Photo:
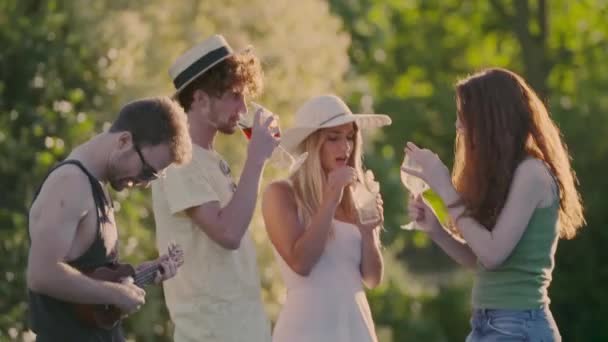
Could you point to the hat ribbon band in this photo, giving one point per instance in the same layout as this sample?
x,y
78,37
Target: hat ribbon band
x,y
201,64
332,118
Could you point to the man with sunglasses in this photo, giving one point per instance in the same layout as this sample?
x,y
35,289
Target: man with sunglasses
x,y
71,222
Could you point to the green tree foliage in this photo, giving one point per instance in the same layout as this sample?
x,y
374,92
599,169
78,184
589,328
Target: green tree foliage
x,y
66,67
48,88
406,56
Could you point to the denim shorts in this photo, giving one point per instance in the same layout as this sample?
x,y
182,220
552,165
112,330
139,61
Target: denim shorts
x,y
535,325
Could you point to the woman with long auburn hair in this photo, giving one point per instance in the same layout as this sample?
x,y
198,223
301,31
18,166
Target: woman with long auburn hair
x,y
512,194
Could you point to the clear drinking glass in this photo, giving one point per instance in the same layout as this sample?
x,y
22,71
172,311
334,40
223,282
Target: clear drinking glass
x,y
365,194
281,158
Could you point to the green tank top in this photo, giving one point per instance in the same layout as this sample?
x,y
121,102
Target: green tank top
x,y
521,282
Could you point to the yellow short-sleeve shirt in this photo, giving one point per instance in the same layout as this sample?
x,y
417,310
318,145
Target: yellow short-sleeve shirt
x,y
216,294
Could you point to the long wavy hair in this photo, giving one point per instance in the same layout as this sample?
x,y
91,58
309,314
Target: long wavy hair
x,y
504,123
309,180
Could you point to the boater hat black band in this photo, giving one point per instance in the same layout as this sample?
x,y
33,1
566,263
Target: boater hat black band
x,y
200,65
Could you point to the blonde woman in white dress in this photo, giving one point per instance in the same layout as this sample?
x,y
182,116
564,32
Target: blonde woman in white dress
x,y
325,254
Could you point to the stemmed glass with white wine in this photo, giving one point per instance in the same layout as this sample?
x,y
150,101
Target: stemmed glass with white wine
x,y
417,186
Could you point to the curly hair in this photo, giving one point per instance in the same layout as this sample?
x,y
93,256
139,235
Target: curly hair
x,y
506,122
240,72
155,121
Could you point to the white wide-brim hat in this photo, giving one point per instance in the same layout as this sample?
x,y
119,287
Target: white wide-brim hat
x,y
199,59
323,112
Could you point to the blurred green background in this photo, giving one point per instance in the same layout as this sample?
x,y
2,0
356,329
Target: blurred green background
x,y
67,66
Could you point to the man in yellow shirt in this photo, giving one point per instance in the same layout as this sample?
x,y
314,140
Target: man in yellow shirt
x,y
216,295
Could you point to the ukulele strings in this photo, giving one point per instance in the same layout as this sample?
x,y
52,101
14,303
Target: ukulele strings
x,y
146,275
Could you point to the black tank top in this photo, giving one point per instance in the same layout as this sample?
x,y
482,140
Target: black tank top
x,y
55,320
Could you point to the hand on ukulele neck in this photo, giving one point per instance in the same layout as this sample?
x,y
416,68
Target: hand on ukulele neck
x,y
161,269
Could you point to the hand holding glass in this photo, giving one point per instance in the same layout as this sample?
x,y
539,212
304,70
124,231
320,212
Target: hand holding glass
x,y
365,195
417,186
246,125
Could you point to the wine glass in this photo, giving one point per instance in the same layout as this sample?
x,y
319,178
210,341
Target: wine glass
x,y
280,157
417,186
414,185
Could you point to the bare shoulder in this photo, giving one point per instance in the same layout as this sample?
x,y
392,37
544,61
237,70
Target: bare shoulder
x,y
280,211
279,191
65,186
535,176
533,170
66,180
279,197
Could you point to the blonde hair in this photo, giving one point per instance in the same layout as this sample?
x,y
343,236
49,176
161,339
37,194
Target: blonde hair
x,y
309,181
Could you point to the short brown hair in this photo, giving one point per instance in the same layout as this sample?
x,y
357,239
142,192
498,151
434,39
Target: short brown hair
x,y
155,121
241,72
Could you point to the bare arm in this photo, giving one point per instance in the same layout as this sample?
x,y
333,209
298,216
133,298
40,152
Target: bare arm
x,y
226,226
54,220
372,265
300,247
455,247
530,188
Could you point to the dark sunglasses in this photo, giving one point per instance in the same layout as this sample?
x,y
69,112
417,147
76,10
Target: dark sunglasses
x,y
148,173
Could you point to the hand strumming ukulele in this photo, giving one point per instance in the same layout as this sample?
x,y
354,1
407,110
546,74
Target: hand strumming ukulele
x,y
107,316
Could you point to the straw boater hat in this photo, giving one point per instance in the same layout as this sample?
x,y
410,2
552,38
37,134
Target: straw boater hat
x,y
323,112
199,59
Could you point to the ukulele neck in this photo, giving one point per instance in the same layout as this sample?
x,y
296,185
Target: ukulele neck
x,y
145,276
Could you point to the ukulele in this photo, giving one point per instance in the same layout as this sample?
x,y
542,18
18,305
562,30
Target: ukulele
x,y
106,316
